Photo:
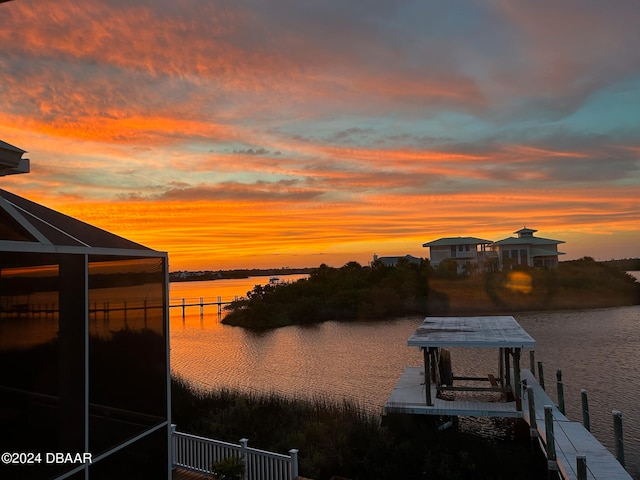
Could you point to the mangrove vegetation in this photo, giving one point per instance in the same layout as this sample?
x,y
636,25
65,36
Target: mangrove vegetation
x,y
356,292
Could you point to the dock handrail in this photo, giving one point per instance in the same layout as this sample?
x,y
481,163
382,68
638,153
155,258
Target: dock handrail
x,y
197,454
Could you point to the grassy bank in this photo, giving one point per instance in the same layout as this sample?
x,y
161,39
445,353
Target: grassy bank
x,y
340,438
377,292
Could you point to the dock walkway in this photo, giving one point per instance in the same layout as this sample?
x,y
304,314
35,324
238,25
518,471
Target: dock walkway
x,y
571,439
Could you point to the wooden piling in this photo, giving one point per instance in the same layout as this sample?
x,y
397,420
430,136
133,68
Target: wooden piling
x,y
552,464
617,433
532,362
533,426
507,368
516,379
581,467
427,375
586,419
541,375
560,391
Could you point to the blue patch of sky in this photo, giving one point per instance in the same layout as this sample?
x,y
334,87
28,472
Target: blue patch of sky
x,y
444,128
614,110
440,19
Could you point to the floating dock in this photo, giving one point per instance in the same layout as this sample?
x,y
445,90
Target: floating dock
x,y
570,448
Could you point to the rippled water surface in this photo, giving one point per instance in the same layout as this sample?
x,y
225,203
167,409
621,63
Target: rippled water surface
x,y
598,350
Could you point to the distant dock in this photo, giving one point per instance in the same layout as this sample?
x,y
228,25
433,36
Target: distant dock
x,y
512,392
219,304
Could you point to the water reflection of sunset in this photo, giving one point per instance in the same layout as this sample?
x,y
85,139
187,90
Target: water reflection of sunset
x,y
211,290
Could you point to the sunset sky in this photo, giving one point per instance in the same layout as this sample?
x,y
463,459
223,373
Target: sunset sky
x,y
273,133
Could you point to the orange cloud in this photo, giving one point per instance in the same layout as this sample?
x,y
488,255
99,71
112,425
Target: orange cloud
x,y
236,136
216,234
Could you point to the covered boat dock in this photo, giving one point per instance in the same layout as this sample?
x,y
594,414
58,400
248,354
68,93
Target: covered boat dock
x,y
571,450
429,394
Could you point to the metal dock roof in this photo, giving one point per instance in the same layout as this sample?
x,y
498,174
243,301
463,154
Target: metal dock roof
x,y
473,332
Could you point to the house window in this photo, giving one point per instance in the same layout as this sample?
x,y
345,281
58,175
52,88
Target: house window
x,y
453,251
523,257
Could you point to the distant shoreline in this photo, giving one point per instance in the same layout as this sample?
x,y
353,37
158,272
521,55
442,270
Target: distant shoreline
x,y
208,275
627,264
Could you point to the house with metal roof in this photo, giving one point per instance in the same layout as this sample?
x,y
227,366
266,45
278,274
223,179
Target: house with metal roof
x,y
463,251
393,261
84,345
527,250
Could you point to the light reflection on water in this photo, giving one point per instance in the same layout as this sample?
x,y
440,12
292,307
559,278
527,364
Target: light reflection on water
x,y
596,349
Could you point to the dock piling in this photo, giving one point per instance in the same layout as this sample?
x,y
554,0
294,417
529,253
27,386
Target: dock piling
x,y
516,378
533,426
581,467
586,419
617,433
560,390
427,375
532,362
541,375
552,464
507,368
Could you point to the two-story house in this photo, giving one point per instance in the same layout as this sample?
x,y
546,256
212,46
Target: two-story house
x,y
528,250
462,250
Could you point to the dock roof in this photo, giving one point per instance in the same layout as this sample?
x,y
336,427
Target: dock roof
x,y
486,331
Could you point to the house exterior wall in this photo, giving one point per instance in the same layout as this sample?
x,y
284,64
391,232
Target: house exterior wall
x,y
467,252
524,255
462,254
515,255
438,254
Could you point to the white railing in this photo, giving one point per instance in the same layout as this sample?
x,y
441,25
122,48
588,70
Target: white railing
x,y
198,454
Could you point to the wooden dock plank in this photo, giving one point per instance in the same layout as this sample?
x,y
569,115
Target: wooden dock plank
x,y
408,396
571,439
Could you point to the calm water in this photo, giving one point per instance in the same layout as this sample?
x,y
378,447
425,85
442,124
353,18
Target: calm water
x,y
598,350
